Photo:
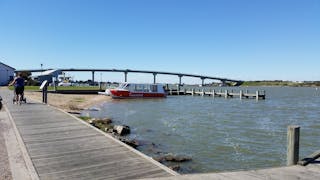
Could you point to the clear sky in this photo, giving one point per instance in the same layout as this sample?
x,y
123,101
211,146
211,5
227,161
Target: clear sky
x,y
237,39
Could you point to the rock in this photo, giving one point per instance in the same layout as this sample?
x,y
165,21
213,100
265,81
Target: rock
x,y
109,129
172,158
133,143
122,129
104,121
93,109
175,167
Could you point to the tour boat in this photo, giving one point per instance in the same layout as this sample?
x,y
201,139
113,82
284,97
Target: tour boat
x,y
131,90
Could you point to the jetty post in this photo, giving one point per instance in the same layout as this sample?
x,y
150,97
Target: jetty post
x,y
257,95
226,94
293,135
240,94
213,93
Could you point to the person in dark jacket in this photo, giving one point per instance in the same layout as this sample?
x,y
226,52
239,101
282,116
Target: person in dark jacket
x,y
18,83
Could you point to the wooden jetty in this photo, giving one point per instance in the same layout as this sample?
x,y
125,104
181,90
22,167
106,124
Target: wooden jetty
x,y
259,94
60,146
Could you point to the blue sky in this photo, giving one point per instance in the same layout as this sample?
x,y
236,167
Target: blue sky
x,y
237,39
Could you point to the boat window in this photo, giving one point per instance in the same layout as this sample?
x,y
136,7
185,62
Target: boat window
x,y
146,88
127,86
139,87
154,88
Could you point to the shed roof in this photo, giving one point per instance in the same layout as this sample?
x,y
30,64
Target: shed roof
x,y
7,66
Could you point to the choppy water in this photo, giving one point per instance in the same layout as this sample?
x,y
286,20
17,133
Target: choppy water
x,y
222,134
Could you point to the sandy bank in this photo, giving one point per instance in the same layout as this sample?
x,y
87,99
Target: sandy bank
x,y
69,102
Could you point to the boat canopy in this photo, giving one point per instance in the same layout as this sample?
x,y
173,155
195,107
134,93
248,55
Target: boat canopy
x,y
156,88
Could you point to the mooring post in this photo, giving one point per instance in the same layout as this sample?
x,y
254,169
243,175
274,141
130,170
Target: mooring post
x,y
192,93
170,91
213,93
226,93
202,93
257,95
293,135
240,94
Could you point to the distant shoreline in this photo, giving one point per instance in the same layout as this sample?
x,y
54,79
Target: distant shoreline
x,y
282,83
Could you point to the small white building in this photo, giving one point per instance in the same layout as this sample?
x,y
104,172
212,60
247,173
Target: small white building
x,y
6,74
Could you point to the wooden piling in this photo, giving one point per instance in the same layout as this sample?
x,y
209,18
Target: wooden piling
x,y
293,135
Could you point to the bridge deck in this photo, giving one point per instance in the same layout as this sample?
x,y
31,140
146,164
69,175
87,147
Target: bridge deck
x,y
63,147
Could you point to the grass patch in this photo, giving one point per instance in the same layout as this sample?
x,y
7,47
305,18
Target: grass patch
x,y
85,118
79,100
50,88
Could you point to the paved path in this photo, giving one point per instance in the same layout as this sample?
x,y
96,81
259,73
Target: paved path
x,y
59,146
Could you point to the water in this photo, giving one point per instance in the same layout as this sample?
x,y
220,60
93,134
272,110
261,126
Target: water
x,y
222,134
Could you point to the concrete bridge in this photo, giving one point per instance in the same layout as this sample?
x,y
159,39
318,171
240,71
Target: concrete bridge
x,y
154,73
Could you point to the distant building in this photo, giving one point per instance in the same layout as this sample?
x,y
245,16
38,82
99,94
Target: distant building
x,y
6,74
47,75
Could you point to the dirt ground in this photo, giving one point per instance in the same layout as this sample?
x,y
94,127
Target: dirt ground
x,y
70,102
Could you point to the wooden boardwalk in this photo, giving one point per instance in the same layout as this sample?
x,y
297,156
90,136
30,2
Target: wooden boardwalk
x,y
63,147
310,172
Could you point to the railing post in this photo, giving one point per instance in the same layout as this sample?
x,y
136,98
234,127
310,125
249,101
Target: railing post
x,y
293,136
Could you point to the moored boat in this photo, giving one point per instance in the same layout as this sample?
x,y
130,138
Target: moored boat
x,y
132,90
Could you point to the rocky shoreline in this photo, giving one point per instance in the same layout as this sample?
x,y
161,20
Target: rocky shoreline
x,y
121,132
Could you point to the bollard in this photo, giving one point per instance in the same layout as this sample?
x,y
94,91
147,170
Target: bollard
x,y
293,135
44,88
257,95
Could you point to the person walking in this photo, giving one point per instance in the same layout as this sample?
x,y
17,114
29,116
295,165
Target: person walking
x,y
18,83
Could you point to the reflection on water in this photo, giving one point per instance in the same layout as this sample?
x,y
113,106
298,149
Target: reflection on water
x,y
222,134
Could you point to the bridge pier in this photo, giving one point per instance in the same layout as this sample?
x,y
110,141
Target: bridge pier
x,y
125,76
180,76
92,78
202,79
154,78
